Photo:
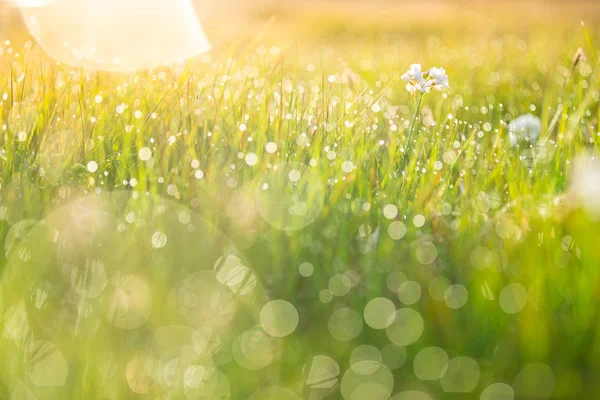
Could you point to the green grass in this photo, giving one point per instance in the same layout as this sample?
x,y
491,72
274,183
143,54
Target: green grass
x,y
493,215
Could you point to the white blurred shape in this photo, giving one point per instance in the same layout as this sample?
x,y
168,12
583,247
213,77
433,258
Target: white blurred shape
x,y
525,127
115,35
585,184
30,3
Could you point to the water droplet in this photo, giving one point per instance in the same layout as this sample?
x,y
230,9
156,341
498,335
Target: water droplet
x,y
430,363
379,313
279,318
513,298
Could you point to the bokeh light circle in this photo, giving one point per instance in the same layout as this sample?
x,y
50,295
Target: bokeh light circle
x,y
99,277
406,327
290,196
279,318
379,313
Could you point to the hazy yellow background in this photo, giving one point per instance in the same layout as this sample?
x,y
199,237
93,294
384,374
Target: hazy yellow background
x,y
227,19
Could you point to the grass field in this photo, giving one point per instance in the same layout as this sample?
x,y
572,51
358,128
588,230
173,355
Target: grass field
x,y
256,224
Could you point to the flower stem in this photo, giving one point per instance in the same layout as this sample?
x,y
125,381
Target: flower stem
x,y
412,126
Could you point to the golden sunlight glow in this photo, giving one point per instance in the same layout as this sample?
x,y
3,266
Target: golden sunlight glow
x,y
30,3
115,35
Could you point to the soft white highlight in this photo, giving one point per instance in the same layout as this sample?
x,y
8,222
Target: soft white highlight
x,y
115,35
525,127
585,184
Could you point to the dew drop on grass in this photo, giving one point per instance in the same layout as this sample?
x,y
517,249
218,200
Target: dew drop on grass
x,y
419,220
279,318
294,175
397,230
290,196
390,211
347,166
430,363
372,384
456,296
426,253
450,157
47,365
379,313
255,349
462,375
409,292
89,279
129,303
121,108
145,154
513,298
306,269
92,166
406,327
321,372
184,217
446,209
139,373
498,391
159,240
393,356
437,288
365,359
345,324
251,159
394,280
534,381
271,147
325,296
340,285
353,277
232,273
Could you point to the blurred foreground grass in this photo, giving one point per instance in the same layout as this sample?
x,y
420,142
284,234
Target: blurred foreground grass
x,y
150,220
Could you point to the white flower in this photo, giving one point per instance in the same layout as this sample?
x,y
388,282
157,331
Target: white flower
x,y
440,78
417,81
413,74
525,127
